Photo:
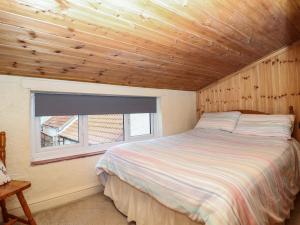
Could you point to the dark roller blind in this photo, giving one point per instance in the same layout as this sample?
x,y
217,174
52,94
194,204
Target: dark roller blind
x,y
47,104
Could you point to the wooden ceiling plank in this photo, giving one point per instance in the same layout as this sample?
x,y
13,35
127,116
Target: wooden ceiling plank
x,y
113,18
266,19
292,11
217,22
159,43
88,49
222,13
52,57
120,35
69,68
245,15
95,40
238,42
84,57
201,60
82,18
90,77
165,25
84,70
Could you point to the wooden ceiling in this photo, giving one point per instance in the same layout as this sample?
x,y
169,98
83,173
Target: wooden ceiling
x,y
175,44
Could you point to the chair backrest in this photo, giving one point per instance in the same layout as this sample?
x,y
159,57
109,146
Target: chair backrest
x,y
2,146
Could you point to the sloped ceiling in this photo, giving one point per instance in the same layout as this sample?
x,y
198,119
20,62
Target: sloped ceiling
x,y
175,44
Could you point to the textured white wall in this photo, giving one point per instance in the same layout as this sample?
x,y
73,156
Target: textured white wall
x,y
58,183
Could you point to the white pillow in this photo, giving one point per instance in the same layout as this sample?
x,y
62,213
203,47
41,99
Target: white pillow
x,y
219,120
266,125
4,178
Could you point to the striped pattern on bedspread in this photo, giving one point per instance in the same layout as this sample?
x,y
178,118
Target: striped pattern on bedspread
x,y
215,177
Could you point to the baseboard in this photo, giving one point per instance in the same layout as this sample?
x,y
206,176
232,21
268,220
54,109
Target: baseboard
x,y
57,200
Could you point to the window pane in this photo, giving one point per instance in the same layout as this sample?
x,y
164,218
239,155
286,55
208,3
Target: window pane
x,y
139,124
59,130
105,128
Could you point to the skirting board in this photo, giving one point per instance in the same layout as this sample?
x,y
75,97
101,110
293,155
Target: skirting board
x,y
57,200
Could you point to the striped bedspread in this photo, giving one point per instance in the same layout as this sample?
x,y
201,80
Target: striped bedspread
x,y
214,177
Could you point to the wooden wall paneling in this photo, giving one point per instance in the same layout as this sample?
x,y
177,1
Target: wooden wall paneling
x,y
263,71
270,85
249,94
275,84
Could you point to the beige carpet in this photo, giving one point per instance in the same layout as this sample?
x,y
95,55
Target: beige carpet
x,y
99,210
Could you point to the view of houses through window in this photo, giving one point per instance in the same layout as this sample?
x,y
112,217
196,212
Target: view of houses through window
x,y
101,129
105,128
55,130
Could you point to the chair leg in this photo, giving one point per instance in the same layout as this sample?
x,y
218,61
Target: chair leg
x,y
4,211
25,207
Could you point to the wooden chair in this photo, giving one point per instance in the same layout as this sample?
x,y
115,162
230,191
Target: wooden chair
x,y
14,187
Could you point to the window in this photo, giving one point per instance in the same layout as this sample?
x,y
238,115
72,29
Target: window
x,y
62,136
140,124
59,130
105,129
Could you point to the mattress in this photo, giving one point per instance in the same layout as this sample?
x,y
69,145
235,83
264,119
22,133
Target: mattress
x,y
212,177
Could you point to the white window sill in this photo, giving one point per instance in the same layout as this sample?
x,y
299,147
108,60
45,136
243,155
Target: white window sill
x,y
38,161
77,152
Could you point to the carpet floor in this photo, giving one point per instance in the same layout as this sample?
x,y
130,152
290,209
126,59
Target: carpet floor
x,y
100,210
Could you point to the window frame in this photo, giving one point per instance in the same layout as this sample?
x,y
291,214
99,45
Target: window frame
x,y
45,149
69,151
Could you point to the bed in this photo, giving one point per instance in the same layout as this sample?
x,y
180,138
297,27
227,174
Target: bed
x,y
203,176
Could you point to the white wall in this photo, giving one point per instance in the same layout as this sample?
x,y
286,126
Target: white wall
x,y
58,183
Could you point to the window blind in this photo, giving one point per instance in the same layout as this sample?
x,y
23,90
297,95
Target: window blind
x,y
49,104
